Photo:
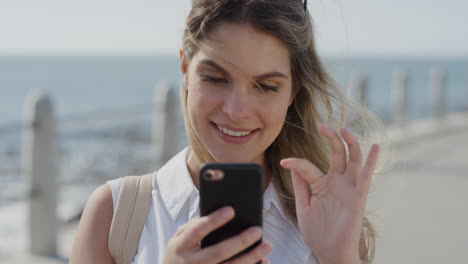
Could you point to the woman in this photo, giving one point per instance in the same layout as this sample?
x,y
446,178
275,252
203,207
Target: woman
x,y
253,90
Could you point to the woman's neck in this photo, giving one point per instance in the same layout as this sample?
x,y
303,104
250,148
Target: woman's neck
x,y
194,165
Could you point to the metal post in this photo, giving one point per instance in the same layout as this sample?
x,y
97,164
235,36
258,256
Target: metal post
x,y
39,168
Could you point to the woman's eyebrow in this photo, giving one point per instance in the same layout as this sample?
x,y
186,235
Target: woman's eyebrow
x,y
271,75
258,77
214,65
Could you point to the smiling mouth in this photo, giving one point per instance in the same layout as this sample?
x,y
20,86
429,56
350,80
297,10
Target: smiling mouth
x,y
232,133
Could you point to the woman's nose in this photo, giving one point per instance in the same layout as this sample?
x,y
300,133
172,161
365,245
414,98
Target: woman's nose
x,y
237,105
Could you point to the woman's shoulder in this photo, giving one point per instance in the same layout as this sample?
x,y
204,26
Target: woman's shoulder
x,y
93,229
100,204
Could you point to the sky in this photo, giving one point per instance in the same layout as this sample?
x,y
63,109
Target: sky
x,y
343,27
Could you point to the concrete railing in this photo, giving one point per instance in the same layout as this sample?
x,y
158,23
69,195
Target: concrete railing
x,y
358,89
400,130
167,117
400,98
40,170
39,155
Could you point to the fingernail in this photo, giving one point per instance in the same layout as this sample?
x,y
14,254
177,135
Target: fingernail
x,y
227,212
286,161
265,248
376,147
325,126
255,231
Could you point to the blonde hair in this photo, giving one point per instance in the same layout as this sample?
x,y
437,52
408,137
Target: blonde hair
x,y
317,98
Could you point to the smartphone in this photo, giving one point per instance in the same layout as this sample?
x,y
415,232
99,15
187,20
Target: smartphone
x,y
238,185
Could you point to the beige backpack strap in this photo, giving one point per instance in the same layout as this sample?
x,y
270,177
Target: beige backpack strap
x,y
129,217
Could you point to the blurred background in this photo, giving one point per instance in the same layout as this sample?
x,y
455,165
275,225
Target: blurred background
x,y
102,63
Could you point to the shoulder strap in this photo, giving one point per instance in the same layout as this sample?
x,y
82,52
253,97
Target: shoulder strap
x,y
129,217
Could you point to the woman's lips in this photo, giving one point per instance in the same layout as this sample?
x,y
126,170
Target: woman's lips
x,y
233,139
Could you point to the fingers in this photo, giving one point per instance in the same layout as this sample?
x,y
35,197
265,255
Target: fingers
x,y
355,155
199,228
338,159
304,168
303,175
231,246
254,256
301,192
182,228
191,233
368,169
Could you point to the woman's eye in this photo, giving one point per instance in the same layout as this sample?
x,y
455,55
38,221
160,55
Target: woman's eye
x,y
213,79
268,87
218,80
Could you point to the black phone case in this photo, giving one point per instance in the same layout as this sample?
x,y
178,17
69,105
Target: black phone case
x,y
241,188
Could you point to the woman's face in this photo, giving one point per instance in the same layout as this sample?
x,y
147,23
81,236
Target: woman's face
x,y
233,117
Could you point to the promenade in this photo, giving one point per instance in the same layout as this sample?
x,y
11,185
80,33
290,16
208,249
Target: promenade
x,y
419,206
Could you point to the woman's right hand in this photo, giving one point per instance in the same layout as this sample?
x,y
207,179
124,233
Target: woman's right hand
x,y
184,247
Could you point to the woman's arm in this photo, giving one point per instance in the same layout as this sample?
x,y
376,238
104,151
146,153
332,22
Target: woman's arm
x,y
91,240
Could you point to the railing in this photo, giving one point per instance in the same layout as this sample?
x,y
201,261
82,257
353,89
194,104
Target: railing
x,y
40,158
400,88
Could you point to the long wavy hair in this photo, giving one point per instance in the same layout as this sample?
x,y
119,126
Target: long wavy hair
x,y
317,98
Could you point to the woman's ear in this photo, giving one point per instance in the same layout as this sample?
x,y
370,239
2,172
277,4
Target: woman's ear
x,y
295,90
183,64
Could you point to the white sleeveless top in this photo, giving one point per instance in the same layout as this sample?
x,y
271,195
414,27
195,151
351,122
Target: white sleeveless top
x,y
175,202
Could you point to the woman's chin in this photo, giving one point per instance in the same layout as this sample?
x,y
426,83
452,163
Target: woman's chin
x,y
233,158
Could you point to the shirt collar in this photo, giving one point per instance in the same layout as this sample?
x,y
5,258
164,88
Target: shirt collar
x,y
174,183
271,197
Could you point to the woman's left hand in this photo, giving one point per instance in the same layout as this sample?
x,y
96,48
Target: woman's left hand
x,y
330,206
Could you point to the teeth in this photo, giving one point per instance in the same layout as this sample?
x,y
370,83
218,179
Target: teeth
x,y
233,133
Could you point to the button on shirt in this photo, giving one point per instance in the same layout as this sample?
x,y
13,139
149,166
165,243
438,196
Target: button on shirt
x,y
175,202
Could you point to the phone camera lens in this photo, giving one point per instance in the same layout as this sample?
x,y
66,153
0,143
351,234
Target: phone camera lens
x,y
213,175
208,175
